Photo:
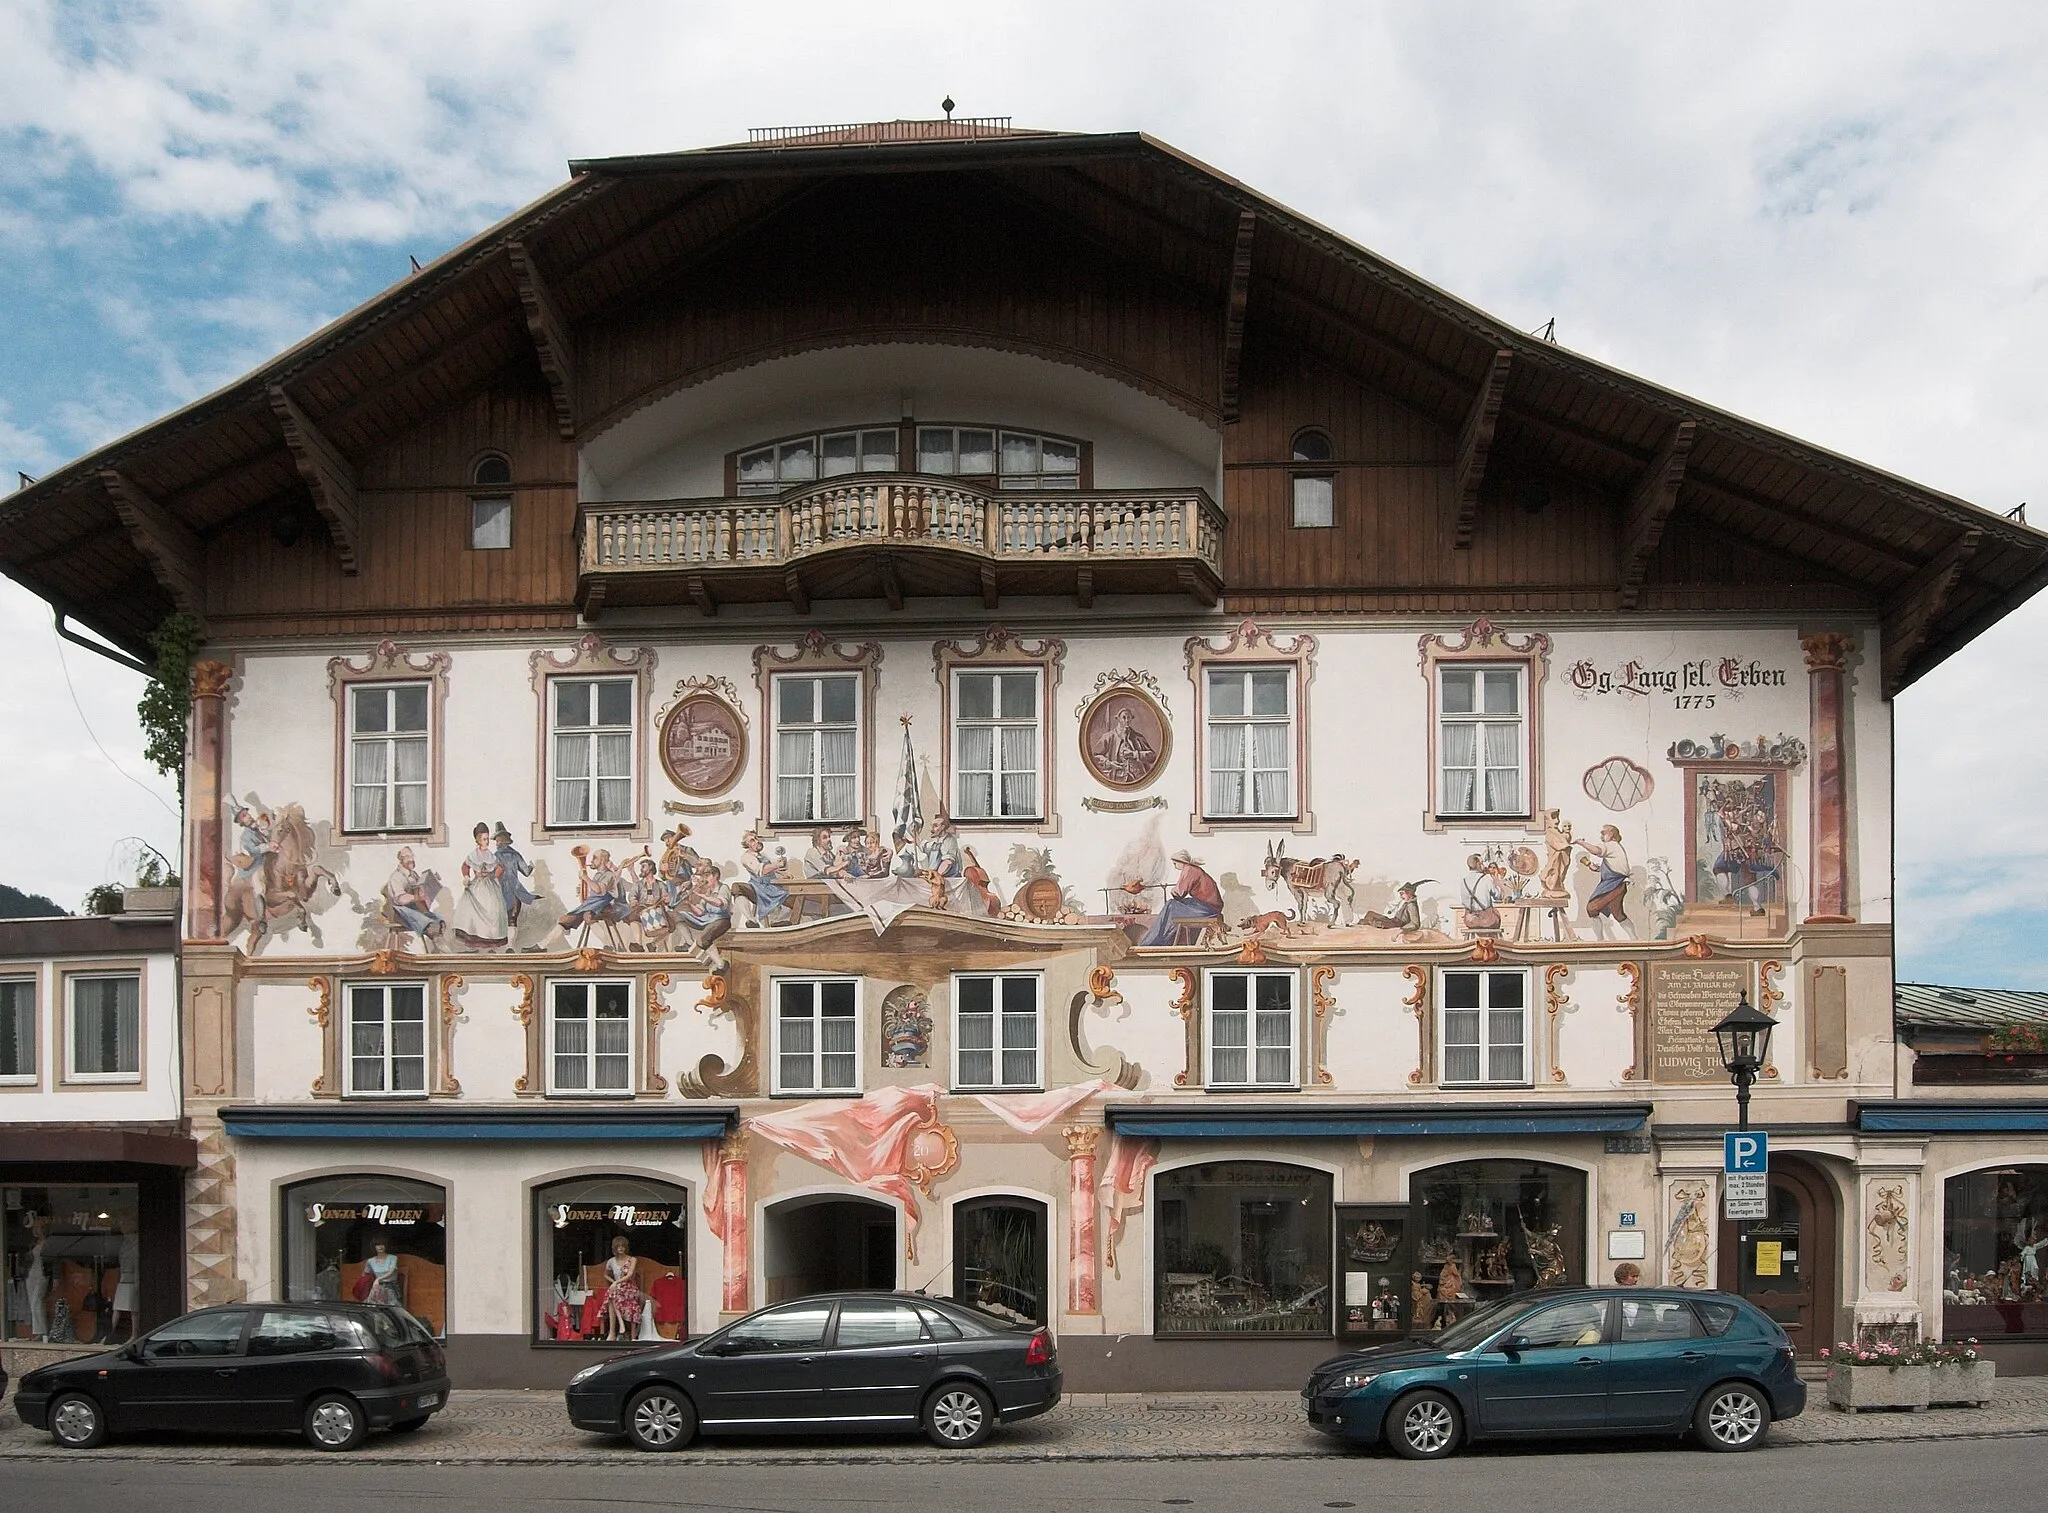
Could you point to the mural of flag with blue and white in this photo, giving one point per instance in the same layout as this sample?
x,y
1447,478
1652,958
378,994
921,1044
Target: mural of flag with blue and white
x,y
909,811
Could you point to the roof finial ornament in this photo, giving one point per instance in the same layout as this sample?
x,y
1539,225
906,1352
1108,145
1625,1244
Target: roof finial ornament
x,y
947,106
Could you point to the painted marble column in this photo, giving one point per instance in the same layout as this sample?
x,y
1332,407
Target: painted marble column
x,y
1084,1281
1826,656
205,745
732,1172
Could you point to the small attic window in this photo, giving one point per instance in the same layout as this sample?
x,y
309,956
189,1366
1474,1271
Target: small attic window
x,y
1954,997
490,513
1315,493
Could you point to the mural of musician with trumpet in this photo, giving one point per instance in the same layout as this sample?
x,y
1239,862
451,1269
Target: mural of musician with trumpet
x,y
601,895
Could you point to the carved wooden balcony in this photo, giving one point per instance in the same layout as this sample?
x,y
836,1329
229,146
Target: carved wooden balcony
x,y
894,537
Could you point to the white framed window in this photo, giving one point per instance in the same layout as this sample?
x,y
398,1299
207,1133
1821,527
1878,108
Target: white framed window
x,y
1484,1024
17,1030
996,744
817,748
389,756
817,1035
1482,740
1250,715
1251,1029
590,1039
590,751
997,1041
774,467
105,1039
387,1040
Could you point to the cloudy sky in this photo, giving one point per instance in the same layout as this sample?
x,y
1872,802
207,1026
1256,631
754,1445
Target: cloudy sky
x,y
1828,217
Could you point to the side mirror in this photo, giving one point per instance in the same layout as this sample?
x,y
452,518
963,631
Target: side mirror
x,y
1515,1344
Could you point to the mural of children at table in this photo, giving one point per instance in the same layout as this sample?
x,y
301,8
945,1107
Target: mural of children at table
x,y
601,895
1608,905
1196,901
409,900
511,868
767,876
480,919
623,1299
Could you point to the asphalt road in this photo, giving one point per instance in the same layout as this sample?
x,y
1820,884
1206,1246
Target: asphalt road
x,y
2009,1475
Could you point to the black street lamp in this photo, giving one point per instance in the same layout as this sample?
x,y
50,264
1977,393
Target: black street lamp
x,y
1745,1039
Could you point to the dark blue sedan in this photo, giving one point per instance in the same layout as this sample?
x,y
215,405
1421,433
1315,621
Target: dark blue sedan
x,y
1587,1360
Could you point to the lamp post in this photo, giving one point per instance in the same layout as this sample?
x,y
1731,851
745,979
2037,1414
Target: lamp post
x,y
1745,1041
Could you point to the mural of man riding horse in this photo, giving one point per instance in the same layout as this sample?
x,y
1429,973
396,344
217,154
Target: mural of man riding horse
x,y
273,873
1324,878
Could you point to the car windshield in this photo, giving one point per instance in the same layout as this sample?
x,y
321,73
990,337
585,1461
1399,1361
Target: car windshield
x,y
390,1333
1474,1328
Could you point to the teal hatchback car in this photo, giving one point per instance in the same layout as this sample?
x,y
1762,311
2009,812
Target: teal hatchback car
x,y
1569,1361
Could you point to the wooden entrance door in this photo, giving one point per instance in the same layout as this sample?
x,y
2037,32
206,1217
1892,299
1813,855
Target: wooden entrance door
x,y
1785,1264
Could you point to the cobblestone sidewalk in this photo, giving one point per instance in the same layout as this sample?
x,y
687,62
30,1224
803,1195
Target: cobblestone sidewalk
x,y
493,1428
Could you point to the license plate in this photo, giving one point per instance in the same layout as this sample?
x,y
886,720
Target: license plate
x,y
430,1400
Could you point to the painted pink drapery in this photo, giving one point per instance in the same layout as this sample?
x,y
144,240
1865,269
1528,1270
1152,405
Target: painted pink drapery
x,y
1035,1113
867,1141
1121,1171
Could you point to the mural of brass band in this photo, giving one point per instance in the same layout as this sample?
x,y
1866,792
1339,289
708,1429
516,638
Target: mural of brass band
x,y
1632,1003
1417,1003
1121,806
1555,1003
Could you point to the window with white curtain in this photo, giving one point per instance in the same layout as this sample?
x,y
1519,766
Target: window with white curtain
x,y
590,1038
106,1029
817,748
995,1031
1485,1027
1482,740
590,751
387,1039
387,756
18,1030
1250,757
996,745
1251,1029
817,1035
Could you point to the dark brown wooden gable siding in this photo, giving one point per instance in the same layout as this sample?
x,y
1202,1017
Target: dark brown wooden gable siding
x,y
418,570
928,259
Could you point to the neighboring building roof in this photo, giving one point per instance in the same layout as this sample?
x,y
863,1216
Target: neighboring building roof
x,y
87,935
111,537
1926,1005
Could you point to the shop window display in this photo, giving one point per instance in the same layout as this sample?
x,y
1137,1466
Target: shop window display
x,y
72,1261
1994,1237
1490,1229
1243,1247
610,1262
372,1239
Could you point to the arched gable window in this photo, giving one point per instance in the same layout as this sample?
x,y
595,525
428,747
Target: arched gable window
x,y
490,503
1315,488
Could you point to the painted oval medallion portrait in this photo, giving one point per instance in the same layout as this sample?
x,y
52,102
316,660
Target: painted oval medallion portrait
x,y
1124,739
703,745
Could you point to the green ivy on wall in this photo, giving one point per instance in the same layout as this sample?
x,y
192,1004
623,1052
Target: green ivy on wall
x,y
167,700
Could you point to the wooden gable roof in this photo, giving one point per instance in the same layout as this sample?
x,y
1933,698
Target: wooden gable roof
x,y
1142,238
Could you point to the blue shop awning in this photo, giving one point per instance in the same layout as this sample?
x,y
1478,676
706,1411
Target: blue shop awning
x,y
369,1122
1912,1118
1243,1122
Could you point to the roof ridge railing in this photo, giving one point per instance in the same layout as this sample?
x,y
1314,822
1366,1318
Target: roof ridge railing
x,y
884,131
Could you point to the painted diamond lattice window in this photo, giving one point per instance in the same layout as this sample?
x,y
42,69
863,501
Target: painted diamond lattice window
x,y
1617,783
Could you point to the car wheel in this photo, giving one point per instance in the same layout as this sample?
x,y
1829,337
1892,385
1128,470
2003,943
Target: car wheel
x,y
660,1418
959,1416
1423,1426
1732,1416
76,1422
410,1425
335,1422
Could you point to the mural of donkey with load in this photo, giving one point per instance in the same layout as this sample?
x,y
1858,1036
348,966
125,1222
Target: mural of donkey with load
x,y
1324,878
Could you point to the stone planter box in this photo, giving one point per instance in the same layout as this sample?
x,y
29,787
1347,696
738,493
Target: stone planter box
x,y
149,900
1968,1384
1854,1388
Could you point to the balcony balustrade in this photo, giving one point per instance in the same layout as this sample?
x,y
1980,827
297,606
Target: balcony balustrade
x,y
890,536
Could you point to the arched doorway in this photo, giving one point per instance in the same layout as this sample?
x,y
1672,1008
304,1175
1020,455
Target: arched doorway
x,y
999,1256
827,1243
1785,1264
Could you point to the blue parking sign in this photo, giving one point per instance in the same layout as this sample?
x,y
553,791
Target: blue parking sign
x,y
1745,1151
